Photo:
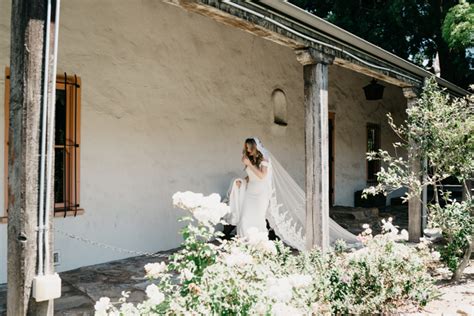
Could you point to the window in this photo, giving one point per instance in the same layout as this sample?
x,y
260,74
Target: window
x,y
67,144
373,144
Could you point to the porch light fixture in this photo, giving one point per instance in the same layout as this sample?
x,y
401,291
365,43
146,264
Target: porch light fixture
x,y
373,91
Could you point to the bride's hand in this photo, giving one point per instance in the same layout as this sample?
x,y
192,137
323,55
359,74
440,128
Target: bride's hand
x,y
246,161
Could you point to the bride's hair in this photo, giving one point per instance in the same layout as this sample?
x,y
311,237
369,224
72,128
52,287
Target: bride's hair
x,y
258,158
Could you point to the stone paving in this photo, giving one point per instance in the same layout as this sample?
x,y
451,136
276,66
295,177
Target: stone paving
x,y
83,286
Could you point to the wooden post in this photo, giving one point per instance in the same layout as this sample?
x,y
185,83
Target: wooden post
x,y
467,189
27,63
315,69
414,203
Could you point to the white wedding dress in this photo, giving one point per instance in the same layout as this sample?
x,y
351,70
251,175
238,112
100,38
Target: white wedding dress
x,y
276,198
255,201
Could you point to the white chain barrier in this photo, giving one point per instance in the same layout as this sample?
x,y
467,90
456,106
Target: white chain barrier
x,y
110,247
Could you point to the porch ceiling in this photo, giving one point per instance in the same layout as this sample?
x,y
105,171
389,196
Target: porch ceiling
x,y
288,25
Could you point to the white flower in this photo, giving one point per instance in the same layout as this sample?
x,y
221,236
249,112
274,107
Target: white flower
x,y
154,294
254,236
209,216
238,258
102,306
206,209
260,241
423,244
211,201
268,246
435,255
300,280
154,270
260,309
279,289
202,215
282,309
129,309
175,307
186,275
404,234
187,200
366,226
388,227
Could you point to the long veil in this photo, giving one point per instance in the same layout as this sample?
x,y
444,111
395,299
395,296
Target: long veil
x,y
287,213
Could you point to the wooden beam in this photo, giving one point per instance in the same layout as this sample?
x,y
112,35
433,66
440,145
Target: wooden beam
x,y
27,63
235,21
255,20
315,69
414,203
399,82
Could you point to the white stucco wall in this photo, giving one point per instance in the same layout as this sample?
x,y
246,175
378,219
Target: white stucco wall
x,y
167,99
352,113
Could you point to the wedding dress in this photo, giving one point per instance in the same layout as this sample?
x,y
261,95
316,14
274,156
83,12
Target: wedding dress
x,y
256,199
279,199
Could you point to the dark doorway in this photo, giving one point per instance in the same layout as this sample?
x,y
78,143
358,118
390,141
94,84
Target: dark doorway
x,y
331,158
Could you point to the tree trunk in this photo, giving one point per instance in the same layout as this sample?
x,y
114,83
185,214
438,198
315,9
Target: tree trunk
x,y
467,187
463,264
414,203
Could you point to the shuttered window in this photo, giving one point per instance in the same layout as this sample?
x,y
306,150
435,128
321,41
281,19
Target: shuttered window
x,y
67,144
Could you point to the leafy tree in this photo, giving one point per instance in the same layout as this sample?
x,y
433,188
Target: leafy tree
x,y
411,29
458,26
441,130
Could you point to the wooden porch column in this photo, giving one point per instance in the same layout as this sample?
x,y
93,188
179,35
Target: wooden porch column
x,y
26,64
415,161
315,69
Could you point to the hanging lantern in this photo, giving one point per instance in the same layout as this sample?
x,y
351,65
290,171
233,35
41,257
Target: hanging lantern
x,y
373,91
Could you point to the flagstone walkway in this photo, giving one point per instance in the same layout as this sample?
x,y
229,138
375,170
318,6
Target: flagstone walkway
x,y
82,287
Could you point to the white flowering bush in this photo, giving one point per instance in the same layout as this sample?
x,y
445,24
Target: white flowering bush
x,y
256,276
382,275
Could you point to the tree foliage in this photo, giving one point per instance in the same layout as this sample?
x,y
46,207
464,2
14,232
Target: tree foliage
x,y
458,26
411,29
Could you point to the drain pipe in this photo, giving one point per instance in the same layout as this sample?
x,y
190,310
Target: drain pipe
x,y
44,111
47,286
50,150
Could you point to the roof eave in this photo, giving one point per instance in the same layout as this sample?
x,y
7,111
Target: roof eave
x,y
299,14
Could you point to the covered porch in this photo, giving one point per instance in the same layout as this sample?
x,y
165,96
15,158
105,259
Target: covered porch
x,y
168,109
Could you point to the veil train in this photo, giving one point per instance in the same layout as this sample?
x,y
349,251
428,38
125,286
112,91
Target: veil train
x,y
286,212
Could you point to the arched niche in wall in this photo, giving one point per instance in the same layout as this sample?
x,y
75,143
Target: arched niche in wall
x,y
280,110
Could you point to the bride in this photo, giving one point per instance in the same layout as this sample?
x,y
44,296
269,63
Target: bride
x,y
269,193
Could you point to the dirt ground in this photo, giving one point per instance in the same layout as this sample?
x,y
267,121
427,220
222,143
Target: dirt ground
x,y
455,298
